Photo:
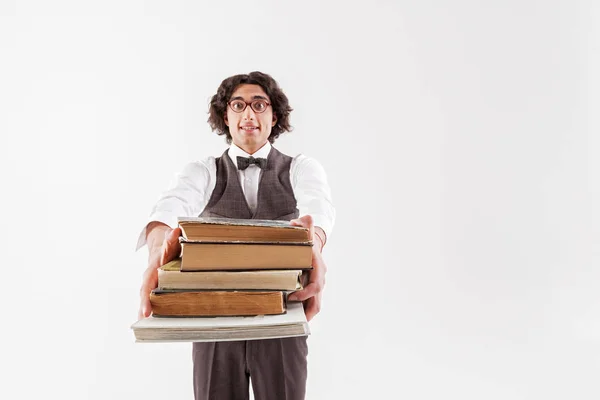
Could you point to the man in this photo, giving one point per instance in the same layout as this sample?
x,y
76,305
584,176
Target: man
x,y
250,180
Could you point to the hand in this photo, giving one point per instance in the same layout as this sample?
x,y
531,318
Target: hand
x,y
311,294
168,251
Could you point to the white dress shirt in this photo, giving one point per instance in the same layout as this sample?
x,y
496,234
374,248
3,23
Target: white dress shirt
x,y
192,188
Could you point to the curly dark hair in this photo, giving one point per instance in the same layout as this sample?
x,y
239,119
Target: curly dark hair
x,y
278,99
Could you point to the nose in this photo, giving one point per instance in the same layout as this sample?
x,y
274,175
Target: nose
x,y
248,113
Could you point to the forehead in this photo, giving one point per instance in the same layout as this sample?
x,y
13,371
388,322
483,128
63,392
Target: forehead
x,y
248,91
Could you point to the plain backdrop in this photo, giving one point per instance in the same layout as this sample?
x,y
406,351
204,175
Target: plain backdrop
x,y
461,142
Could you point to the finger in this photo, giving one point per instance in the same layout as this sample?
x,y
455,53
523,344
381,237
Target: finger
x,y
144,297
309,291
313,306
172,236
145,309
149,282
172,247
305,220
307,313
318,264
145,305
172,239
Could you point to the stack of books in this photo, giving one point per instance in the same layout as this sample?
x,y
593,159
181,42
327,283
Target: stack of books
x,y
236,271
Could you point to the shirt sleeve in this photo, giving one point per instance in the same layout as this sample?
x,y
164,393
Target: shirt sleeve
x,y
186,196
312,192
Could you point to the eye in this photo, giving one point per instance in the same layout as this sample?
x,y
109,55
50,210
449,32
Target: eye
x,y
259,105
237,105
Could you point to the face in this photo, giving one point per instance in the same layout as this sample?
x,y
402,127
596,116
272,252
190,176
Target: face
x,y
250,130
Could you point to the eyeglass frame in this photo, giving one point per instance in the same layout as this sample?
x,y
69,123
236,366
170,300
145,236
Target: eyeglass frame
x,y
246,104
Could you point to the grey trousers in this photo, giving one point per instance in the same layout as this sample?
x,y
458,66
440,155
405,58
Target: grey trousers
x,y
277,367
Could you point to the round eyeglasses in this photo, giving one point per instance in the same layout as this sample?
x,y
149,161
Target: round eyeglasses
x,y
258,105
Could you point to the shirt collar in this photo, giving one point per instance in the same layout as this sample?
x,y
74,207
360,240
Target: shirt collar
x,y
235,151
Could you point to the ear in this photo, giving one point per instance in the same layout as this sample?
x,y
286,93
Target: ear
x,y
274,119
225,119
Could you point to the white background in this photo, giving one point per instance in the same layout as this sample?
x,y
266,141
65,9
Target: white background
x,y
461,141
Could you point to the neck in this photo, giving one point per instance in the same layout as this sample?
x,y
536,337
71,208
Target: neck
x,y
251,149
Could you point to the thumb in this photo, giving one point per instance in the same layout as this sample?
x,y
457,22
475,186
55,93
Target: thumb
x,y
171,233
172,236
171,246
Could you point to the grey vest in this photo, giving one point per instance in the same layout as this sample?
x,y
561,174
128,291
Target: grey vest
x,y
275,194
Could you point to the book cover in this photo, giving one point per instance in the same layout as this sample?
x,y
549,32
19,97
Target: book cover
x,y
244,256
238,222
194,303
170,276
241,230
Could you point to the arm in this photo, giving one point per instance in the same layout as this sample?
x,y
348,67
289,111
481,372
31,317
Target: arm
x,y
155,234
314,202
186,196
313,195
163,246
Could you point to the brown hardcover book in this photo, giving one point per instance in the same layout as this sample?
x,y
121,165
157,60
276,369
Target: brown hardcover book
x,y
216,303
243,230
199,256
170,276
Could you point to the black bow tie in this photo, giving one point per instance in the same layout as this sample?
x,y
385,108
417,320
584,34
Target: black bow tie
x,y
243,162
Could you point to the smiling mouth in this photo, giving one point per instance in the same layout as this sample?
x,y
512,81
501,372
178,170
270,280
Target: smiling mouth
x,y
249,128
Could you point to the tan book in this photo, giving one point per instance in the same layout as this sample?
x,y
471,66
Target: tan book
x,y
199,256
216,329
176,303
171,277
242,230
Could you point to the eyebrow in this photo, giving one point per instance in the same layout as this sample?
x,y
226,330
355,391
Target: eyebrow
x,y
258,97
